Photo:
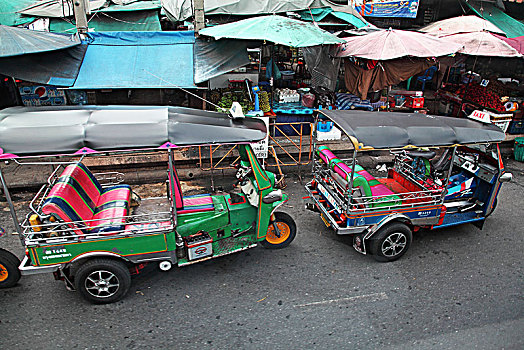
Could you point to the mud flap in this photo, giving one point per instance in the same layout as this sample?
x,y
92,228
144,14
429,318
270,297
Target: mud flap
x,y
479,223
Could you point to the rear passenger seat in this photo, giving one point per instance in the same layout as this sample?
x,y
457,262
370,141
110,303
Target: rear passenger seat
x,y
78,196
368,185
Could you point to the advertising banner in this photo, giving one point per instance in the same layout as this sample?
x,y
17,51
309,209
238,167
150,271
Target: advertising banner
x,y
387,8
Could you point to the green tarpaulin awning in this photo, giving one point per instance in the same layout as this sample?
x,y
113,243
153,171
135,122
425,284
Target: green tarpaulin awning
x,y
277,29
141,21
319,14
9,15
490,12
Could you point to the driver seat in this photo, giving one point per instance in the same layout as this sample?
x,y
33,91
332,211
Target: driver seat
x,y
188,204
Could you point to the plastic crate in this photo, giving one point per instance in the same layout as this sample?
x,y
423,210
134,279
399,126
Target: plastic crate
x,y
516,127
324,126
519,149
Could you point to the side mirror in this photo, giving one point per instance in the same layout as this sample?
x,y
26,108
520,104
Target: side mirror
x,y
272,197
506,177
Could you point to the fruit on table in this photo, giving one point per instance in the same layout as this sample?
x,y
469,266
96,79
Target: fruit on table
x,y
481,96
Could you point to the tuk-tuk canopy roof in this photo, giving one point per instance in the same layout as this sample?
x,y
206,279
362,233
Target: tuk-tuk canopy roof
x,y
61,130
380,130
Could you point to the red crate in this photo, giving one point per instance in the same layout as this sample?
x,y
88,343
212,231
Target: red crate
x,y
414,102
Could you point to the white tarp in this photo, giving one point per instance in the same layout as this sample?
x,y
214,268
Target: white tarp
x,y
179,10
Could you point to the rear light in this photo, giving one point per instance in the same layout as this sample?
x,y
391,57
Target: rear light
x,y
442,214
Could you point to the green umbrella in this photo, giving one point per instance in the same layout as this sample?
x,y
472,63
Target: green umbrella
x,y
277,29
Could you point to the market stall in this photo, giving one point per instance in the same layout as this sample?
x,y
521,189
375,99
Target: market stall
x,y
486,81
384,58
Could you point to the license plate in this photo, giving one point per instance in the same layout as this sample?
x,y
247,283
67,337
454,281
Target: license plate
x,y
325,220
328,197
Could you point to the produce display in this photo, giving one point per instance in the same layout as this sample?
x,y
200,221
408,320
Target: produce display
x,y
228,98
263,97
481,96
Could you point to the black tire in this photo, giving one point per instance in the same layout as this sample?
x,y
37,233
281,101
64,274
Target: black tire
x,y
9,273
102,281
391,242
286,224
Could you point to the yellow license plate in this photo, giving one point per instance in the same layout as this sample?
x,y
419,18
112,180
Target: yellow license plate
x,y
325,220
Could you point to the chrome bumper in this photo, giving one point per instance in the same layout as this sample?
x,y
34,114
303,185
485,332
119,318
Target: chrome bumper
x,y
26,269
339,230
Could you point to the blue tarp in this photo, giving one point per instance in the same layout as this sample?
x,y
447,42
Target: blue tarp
x,y
138,60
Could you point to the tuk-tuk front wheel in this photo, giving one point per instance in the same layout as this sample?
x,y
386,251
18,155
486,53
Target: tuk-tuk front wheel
x,y
391,242
102,281
9,273
283,235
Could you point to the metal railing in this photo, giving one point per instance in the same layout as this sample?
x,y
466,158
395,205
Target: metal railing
x,y
352,201
295,145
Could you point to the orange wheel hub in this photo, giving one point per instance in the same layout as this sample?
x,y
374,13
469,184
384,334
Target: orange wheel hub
x,y
284,230
3,273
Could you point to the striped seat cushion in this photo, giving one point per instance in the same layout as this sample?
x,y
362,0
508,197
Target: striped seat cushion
x,y
369,186
78,196
197,203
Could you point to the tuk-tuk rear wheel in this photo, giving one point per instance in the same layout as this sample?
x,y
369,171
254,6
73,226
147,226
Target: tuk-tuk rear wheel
x,y
287,229
9,273
391,242
102,281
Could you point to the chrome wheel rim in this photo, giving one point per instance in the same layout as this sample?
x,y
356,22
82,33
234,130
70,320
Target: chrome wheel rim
x,y
394,244
102,284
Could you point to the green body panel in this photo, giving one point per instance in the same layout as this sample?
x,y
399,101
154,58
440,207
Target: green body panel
x,y
243,216
208,221
264,187
126,247
226,246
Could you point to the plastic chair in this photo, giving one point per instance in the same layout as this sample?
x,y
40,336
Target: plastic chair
x,y
428,76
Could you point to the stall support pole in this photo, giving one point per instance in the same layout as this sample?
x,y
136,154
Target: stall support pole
x,y
11,206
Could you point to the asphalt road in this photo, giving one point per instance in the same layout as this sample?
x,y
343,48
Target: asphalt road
x,y
455,288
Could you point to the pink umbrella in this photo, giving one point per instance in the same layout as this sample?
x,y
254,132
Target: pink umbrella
x,y
392,43
482,44
516,43
461,24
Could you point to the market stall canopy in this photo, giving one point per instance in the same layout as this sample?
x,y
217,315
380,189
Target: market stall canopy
x,y
277,29
392,43
57,8
111,15
60,8
516,43
379,130
490,12
319,14
59,67
138,60
47,131
460,24
179,10
482,44
19,41
9,15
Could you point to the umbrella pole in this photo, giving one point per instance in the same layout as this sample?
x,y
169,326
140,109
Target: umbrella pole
x,y
272,79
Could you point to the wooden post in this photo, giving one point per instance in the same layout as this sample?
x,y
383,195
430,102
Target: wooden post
x,y
198,5
80,16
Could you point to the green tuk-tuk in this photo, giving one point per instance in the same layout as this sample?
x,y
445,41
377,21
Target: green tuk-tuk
x,y
93,231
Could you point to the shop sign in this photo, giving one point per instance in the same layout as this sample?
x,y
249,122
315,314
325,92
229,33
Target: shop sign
x,y
261,147
387,8
480,116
